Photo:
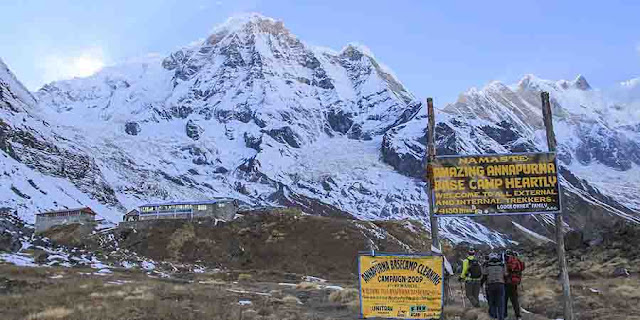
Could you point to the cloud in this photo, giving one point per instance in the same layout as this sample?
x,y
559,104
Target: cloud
x,y
82,63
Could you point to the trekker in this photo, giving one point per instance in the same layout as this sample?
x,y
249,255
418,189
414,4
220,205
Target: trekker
x,y
494,275
471,275
485,263
515,267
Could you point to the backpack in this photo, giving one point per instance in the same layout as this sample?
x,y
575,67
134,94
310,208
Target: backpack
x,y
515,268
475,270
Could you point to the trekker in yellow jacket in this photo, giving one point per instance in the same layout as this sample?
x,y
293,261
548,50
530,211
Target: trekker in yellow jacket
x,y
472,275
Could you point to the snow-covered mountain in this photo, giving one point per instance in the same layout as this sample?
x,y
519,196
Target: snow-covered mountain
x,y
39,168
254,113
598,142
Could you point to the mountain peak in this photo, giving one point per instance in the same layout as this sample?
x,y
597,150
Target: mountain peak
x,y
581,83
248,22
531,82
528,81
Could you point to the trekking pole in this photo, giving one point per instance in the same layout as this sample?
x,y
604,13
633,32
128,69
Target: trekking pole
x,y
462,294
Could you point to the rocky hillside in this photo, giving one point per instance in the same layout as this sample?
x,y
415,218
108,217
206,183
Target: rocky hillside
x,y
41,169
254,113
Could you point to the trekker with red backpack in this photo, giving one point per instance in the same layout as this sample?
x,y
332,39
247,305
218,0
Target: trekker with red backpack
x,y
515,267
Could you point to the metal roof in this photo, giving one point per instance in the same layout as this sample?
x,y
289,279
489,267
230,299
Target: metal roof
x,y
188,202
83,209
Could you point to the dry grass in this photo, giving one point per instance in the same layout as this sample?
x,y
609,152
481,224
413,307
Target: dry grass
x,y
51,313
592,299
541,297
88,297
625,291
289,299
12,270
307,286
452,312
245,277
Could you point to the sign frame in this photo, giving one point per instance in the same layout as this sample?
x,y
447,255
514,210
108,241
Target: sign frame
x,y
396,254
555,161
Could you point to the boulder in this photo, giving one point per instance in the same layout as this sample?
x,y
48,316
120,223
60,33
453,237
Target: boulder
x,y
573,240
620,272
40,256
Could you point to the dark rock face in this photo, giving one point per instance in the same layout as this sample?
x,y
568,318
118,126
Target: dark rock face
x,y
404,163
408,114
233,55
352,53
339,121
320,79
504,134
252,142
501,133
132,128
241,113
607,147
446,140
198,155
356,133
220,170
181,112
310,61
11,230
193,130
284,135
179,61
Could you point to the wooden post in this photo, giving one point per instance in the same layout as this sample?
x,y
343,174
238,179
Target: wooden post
x,y
431,155
562,261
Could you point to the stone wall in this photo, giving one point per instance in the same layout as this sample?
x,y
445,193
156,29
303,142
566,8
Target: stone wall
x,y
222,210
44,222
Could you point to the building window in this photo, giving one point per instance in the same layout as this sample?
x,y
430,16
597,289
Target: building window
x,y
202,207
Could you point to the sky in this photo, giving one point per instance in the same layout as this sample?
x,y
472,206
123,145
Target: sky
x,y
435,48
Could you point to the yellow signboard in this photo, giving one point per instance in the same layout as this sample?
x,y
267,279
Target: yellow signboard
x,y
401,286
495,184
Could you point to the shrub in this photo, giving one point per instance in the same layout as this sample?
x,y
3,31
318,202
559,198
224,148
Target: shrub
x,y
345,296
